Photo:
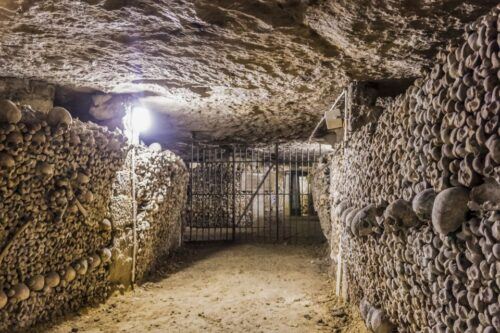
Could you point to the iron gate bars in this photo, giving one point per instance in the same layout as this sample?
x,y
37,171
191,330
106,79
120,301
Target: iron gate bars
x,y
256,194
211,194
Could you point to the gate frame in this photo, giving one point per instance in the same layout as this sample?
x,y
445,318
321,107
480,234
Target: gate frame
x,y
228,159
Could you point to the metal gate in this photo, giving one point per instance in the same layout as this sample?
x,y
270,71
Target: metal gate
x,y
260,194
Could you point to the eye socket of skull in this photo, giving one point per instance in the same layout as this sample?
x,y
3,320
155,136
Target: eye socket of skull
x,y
64,125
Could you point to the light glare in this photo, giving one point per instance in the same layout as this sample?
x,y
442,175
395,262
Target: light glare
x,y
137,121
141,119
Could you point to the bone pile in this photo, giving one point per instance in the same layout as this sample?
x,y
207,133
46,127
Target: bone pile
x,y
56,175
321,196
161,179
212,185
161,197
417,195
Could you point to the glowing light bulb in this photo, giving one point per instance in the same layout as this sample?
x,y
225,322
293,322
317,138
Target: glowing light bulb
x,y
141,119
137,121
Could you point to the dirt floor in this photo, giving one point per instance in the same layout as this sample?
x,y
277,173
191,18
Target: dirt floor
x,y
237,288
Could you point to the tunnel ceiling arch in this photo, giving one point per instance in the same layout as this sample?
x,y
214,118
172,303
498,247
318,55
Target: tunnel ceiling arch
x,y
244,70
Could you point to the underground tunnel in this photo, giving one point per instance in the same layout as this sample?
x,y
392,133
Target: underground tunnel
x,y
249,166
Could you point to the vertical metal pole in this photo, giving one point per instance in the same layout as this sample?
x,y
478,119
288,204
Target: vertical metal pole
x,y
276,150
199,196
252,172
219,202
135,140
234,193
258,195
191,194
205,191
226,194
210,209
223,219
309,213
314,160
338,281
283,191
217,196
346,115
266,202
270,193
297,187
212,193
289,191
257,173
341,287
303,225
308,194
213,198
134,217
245,196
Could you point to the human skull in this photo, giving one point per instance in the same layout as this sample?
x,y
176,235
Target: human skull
x,y
9,112
399,215
15,141
59,117
38,141
364,222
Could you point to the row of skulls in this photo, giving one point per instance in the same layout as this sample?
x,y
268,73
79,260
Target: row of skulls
x,y
417,195
46,283
56,175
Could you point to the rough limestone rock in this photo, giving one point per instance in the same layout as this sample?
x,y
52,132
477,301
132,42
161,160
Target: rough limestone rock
x,y
261,69
37,94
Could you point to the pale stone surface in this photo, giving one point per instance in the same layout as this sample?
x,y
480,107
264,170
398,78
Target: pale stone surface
x,y
249,70
39,95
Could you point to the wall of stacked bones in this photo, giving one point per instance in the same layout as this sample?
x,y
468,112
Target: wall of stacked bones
x,y
417,197
212,186
56,178
320,184
57,230
161,182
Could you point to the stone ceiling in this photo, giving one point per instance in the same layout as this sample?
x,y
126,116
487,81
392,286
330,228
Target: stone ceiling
x,y
226,70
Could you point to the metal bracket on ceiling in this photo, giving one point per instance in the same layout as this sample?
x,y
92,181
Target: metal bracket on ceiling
x,y
342,94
